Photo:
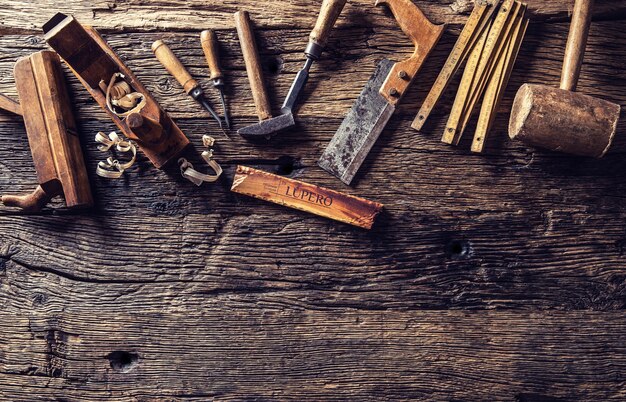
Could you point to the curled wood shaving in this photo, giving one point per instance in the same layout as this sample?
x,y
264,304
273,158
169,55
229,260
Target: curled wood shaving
x,y
112,168
188,172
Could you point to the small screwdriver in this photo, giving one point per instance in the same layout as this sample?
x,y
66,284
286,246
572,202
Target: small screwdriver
x,y
176,68
209,46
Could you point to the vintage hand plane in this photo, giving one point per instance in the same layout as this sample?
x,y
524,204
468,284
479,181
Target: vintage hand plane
x,y
51,130
116,89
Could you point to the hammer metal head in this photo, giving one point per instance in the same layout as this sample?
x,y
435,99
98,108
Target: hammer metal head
x,y
563,121
269,127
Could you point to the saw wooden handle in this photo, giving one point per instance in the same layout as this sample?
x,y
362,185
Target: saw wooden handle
x,y
576,44
424,35
326,20
253,65
209,46
171,63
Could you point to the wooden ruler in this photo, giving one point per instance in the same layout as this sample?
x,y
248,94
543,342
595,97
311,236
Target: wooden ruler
x,y
476,73
474,27
490,63
498,82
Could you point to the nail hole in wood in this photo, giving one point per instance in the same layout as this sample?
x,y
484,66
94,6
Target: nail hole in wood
x,y
122,361
458,249
274,65
286,165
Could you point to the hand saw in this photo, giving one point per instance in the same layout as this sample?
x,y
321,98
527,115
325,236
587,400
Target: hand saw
x,y
378,100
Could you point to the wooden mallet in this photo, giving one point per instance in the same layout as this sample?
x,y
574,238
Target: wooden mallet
x,y
560,119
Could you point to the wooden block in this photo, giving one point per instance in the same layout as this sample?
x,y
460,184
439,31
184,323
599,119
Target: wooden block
x,y
52,134
306,197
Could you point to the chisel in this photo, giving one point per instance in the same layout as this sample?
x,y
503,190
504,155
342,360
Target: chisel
x,y
171,63
328,15
209,46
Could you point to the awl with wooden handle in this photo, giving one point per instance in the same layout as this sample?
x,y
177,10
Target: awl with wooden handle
x,y
210,48
171,63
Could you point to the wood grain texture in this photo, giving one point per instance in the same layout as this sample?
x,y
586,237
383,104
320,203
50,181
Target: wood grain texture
x,y
488,277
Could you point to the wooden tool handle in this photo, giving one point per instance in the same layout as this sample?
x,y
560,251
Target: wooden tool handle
x,y
576,44
174,66
33,202
209,46
253,65
10,105
326,20
424,35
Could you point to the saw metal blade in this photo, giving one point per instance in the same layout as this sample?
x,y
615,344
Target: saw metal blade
x,y
360,129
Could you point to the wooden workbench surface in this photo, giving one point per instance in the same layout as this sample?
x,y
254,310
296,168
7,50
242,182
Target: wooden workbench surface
x,y
497,276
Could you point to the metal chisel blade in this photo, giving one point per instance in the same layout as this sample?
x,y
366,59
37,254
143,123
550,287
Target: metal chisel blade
x,y
296,87
360,129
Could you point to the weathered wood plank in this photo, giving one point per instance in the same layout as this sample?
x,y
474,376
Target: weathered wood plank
x,y
140,15
495,276
464,260
164,344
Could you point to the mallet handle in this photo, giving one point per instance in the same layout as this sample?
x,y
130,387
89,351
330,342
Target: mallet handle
x,y
576,44
253,65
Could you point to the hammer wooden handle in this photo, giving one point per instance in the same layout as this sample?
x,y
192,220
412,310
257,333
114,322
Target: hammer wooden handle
x,y
174,66
326,20
576,44
209,46
253,65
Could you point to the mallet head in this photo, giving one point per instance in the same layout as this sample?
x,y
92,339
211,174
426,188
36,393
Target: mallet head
x,y
563,121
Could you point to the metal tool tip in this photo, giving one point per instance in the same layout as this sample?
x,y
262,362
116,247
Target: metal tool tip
x,y
267,128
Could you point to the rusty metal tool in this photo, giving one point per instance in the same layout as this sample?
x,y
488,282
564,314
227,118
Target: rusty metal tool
x,y
560,119
318,38
192,87
267,125
329,12
378,100
208,39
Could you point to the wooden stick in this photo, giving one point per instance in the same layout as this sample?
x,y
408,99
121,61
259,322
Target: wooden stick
x,y
253,65
171,63
306,197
